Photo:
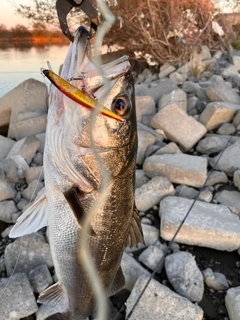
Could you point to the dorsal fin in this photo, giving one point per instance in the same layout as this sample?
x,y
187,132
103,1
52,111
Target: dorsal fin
x,y
33,219
135,233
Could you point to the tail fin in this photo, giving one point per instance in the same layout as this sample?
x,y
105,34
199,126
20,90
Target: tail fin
x,y
58,316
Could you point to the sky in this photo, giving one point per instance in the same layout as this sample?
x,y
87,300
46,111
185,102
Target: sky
x,y
7,15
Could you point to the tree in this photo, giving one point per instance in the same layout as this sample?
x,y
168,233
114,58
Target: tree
x,y
20,31
164,30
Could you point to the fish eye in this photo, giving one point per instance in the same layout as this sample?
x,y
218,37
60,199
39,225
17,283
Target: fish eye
x,y
121,106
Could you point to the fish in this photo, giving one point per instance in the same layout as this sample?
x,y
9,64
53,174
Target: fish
x,y
74,148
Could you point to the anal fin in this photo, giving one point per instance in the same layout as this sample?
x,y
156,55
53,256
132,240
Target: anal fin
x,y
54,296
135,233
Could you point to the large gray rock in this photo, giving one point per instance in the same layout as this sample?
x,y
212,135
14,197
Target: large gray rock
x,y
184,275
216,177
7,209
14,167
17,298
25,147
159,88
178,126
217,113
165,70
34,251
144,105
178,168
207,225
34,173
32,190
152,257
215,280
132,270
158,134
232,303
145,139
5,146
46,310
140,178
159,302
6,190
152,192
236,179
229,198
229,160
226,128
177,97
214,143
169,148
220,91
40,278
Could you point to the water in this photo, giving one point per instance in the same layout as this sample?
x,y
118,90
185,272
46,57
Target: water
x,y
22,63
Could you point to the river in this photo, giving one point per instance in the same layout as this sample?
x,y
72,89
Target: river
x,y
21,63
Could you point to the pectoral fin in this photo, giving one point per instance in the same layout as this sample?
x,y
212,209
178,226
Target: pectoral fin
x,y
54,296
33,219
118,283
135,233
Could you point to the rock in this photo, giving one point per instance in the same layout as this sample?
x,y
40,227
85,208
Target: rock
x,y
17,299
217,113
186,192
191,87
236,120
229,198
14,167
204,54
132,270
22,203
158,134
178,126
150,234
40,278
146,221
229,159
140,178
234,58
152,149
5,146
41,138
217,55
215,280
232,303
159,302
152,192
6,232
220,91
177,97
165,70
32,190
178,78
144,105
38,159
207,225
169,148
26,147
145,139
159,88
151,257
192,104
184,275
34,173
229,71
236,179
227,129
214,143
205,195
178,168
235,80
7,209
6,190
28,127
35,251
45,311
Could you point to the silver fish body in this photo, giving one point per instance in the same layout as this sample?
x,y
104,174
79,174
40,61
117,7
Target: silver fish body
x,y
70,162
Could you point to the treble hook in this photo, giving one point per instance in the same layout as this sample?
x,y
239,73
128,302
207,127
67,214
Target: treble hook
x,y
65,6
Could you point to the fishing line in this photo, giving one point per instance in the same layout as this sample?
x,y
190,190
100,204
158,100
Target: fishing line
x,y
21,238
176,233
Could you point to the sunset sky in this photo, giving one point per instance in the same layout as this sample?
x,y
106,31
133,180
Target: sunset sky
x,y
7,15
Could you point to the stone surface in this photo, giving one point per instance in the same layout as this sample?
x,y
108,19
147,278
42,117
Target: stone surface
x,y
220,91
35,251
178,126
14,167
152,192
177,97
165,70
215,280
226,128
229,198
216,177
41,138
151,257
25,147
34,173
232,303
7,209
236,179
158,134
32,190
144,105
213,143
45,311
140,178
203,54
229,161
40,278
178,168
207,225
178,77
145,139
132,270
17,299
159,88
186,192
169,148
159,302
6,190
184,275
217,113
6,145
